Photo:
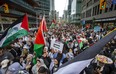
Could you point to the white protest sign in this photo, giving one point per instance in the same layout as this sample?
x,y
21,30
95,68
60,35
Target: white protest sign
x,y
57,45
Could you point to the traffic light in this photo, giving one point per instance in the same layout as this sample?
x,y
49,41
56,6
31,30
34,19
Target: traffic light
x,y
6,10
102,4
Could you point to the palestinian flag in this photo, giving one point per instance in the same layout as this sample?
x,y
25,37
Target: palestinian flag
x,y
39,41
18,29
76,65
44,24
80,43
53,24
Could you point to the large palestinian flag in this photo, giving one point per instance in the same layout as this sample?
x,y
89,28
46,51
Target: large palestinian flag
x,y
18,29
40,40
76,65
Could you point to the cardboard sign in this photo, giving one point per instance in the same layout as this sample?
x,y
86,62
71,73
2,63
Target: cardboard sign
x,y
57,45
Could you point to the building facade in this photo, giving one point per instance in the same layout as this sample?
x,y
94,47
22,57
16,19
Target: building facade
x,y
76,11
92,14
52,13
34,8
17,8
69,10
57,16
43,9
52,7
65,16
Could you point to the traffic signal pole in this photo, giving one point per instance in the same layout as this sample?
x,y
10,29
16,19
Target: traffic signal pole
x,y
102,4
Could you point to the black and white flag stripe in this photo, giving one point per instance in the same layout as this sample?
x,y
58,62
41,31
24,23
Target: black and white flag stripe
x,y
76,65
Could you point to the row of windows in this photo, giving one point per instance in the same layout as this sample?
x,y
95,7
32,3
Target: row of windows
x,y
96,11
88,3
95,1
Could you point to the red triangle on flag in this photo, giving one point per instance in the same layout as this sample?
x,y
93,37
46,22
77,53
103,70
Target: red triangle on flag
x,y
40,36
53,21
44,25
25,23
79,41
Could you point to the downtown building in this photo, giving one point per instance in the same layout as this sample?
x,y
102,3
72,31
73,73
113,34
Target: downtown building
x,y
69,10
75,11
92,15
65,16
43,9
52,13
17,8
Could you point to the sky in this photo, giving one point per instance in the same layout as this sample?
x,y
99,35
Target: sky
x,y
60,6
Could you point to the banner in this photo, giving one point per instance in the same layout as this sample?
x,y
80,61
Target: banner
x,y
56,45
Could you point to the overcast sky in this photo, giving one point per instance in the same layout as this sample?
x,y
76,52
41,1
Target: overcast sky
x,y
60,5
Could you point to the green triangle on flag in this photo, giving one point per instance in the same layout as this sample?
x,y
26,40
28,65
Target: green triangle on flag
x,y
38,48
52,25
80,43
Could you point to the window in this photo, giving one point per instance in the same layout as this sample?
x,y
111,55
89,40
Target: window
x,y
93,11
97,9
83,7
89,3
115,7
100,11
111,7
95,1
106,10
83,15
88,13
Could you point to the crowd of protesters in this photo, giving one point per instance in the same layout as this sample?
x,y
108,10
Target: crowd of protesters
x,y
19,57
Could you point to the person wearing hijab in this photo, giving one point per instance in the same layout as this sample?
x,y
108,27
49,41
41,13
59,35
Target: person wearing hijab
x,y
4,66
36,67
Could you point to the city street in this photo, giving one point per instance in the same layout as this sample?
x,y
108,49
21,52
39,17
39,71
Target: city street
x,y
57,36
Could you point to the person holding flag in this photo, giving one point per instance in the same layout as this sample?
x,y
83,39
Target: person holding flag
x,y
40,39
